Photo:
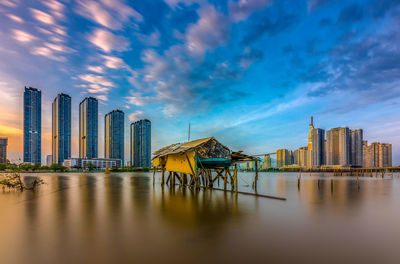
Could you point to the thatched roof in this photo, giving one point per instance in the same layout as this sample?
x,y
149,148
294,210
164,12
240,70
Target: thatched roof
x,y
185,147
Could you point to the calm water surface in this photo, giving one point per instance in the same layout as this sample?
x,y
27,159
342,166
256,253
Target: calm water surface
x,y
128,218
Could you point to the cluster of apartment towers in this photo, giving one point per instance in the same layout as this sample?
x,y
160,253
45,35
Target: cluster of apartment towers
x,y
343,147
88,134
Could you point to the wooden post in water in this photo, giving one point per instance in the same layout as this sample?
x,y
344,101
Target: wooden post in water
x,y
235,179
226,177
162,176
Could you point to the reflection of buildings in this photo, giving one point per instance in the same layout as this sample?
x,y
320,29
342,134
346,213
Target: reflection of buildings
x,y
377,155
114,135
98,163
88,128
3,150
32,125
141,143
61,131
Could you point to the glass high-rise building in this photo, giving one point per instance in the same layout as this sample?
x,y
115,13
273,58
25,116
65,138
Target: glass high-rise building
x,y
61,128
318,147
3,150
88,128
356,148
114,135
32,125
141,143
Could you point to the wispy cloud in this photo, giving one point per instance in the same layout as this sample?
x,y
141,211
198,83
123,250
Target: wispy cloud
x,y
42,16
22,36
47,52
96,79
110,14
107,41
97,69
9,3
15,18
135,116
242,9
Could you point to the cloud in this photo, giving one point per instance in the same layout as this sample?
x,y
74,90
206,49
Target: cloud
x,y
138,100
42,16
107,41
96,69
10,3
22,36
135,116
110,14
15,18
242,9
57,8
210,31
96,79
114,62
250,56
150,40
46,52
59,47
174,3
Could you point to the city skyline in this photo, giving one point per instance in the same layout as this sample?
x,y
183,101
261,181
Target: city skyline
x,y
260,72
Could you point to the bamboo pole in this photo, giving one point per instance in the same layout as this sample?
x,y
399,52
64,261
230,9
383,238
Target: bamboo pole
x,y
235,179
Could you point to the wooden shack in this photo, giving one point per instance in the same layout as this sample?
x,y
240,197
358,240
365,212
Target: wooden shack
x,y
199,159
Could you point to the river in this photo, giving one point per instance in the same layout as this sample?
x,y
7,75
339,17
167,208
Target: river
x,y
128,218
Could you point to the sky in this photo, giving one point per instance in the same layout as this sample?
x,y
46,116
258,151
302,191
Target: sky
x,y
250,73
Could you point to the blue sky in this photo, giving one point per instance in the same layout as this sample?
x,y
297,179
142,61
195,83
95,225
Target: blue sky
x,y
250,73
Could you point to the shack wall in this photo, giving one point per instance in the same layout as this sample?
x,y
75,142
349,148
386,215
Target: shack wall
x,y
179,163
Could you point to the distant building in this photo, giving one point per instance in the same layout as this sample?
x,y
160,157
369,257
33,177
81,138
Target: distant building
x,y
338,146
61,128
301,157
318,147
141,143
88,128
356,148
100,164
32,125
49,160
114,135
377,155
267,162
3,150
283,158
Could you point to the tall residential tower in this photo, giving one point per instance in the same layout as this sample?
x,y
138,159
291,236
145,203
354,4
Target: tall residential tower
x,y
32,125
141,143
114,135
338,146
318,147
61,128
356,148
88,128
3,150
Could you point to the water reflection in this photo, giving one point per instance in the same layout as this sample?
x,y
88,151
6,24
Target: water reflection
x,y
125,218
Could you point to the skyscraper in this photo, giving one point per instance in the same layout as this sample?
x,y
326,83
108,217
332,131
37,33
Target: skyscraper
x,y
141,143
356,148
61,128
377,155
318,147
32,125
114,135
267,162
338,146
88,128
3,150
283,158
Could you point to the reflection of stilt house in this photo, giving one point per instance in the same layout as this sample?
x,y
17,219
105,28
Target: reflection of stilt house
x,y
198,159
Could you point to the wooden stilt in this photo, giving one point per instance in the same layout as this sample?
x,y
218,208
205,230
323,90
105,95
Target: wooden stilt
x,y
235,179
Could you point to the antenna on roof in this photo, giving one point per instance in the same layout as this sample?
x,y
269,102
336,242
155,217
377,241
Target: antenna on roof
x,y
189,133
